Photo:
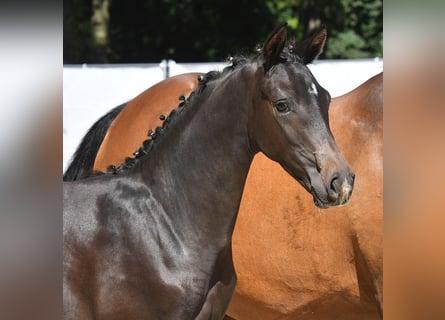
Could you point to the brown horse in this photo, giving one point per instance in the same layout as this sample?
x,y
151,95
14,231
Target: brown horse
x,y
153,240
295,262
317,266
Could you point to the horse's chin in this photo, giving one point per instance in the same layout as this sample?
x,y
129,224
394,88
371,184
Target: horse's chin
x,y
313,184
322,203
319,202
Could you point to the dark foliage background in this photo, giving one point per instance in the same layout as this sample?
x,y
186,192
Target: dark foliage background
x,y
140,31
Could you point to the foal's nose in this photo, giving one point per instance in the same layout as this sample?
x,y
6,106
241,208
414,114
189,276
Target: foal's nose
x,y
340,187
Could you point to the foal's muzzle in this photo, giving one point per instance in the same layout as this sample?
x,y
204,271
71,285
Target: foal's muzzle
x,y
332,181
340,188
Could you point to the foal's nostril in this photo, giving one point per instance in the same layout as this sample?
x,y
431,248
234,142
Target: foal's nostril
x,y
340,187
334,183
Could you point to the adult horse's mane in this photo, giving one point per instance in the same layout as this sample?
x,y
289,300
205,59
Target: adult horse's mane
x,y
287,55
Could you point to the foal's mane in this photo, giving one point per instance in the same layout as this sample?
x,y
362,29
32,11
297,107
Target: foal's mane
x,y
203,80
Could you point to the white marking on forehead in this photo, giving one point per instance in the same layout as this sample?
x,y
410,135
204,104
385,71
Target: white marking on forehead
x,y
313,89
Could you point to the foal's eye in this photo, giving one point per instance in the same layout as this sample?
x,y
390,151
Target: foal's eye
x,y
281,106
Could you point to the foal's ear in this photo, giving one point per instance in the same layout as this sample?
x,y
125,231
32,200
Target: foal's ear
x,y
273,46
312,47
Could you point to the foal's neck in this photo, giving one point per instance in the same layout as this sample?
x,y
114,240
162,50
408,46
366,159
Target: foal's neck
x,y
201,164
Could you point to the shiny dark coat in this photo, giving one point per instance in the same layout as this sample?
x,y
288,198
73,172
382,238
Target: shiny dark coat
x,y
154,241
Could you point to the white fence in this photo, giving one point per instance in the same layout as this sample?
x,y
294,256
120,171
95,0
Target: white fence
x,y
90,91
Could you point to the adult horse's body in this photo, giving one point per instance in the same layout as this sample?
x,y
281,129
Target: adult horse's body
x,y
294,262
154,241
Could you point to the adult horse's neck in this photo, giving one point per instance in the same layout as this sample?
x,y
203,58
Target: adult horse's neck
x,y
203,158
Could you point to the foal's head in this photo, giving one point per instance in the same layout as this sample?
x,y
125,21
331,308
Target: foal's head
x,y
290,119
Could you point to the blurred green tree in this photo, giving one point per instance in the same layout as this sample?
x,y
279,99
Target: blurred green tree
x,y
355,27
187,30
199,30
358,32
99,29
76,31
